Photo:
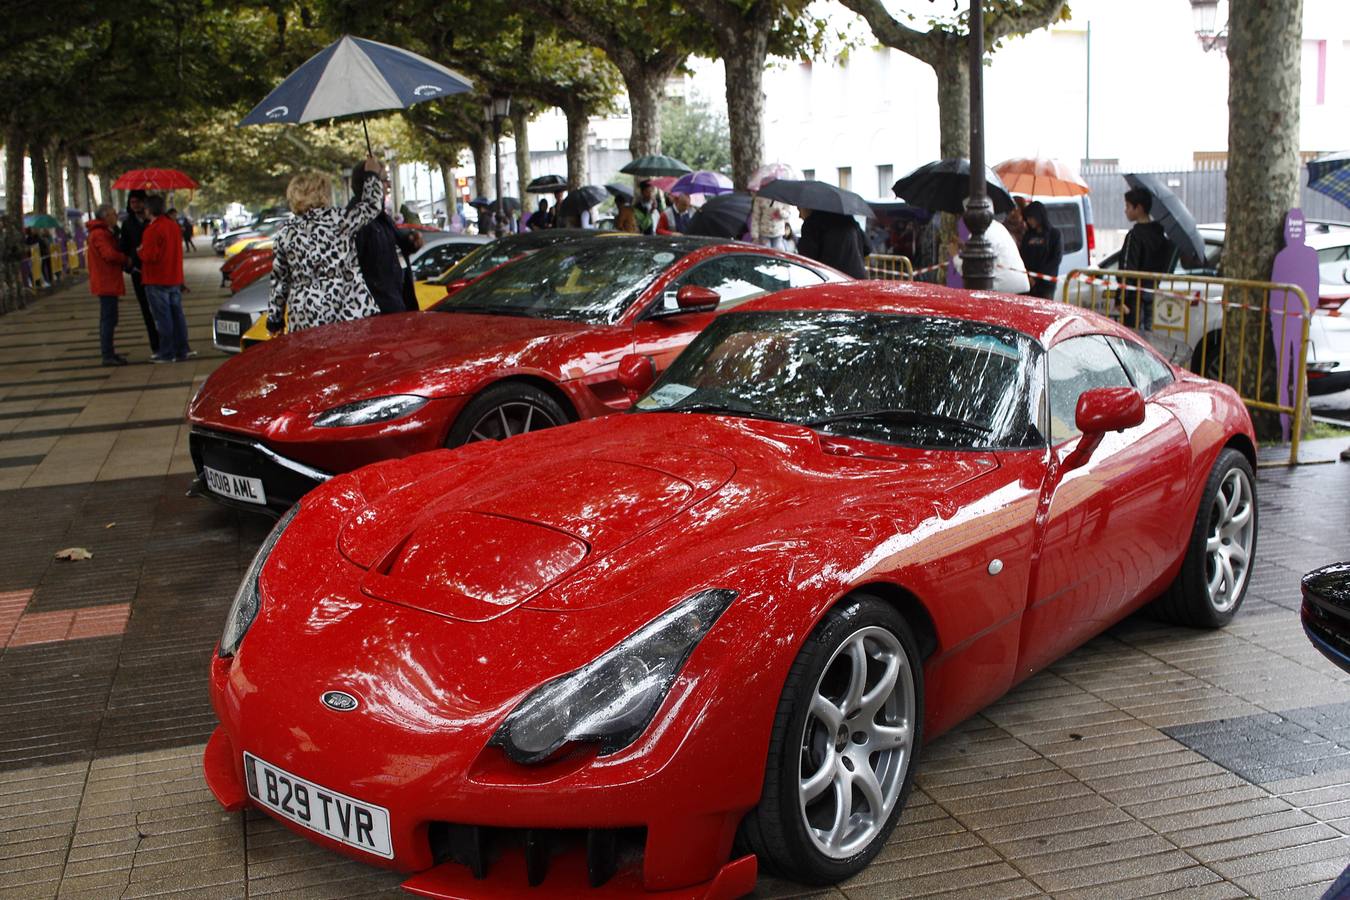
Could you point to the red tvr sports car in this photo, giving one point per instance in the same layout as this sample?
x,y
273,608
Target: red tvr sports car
x,y
534,343
654,651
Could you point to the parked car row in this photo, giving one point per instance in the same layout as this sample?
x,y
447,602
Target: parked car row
x,y
504,637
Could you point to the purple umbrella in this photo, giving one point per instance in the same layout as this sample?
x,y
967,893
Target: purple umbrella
x,y
702,182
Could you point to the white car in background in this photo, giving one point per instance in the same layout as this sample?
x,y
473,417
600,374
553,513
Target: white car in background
x,y
1182,342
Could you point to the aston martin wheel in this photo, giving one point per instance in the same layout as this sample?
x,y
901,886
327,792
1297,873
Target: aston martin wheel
x,y
845,741
506,410
1214,577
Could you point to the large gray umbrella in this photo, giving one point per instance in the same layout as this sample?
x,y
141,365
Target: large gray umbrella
x,y
648,166
1169,212
818,195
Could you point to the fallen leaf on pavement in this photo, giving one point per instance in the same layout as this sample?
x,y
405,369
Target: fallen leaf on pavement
x,y
74,553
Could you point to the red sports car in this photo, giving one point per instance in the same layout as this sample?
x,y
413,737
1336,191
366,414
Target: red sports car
x,y
536,343
649,652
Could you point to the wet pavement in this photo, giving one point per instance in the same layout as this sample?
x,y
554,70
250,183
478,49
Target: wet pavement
x,y
1152,760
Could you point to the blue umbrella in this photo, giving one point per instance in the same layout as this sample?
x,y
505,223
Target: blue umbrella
x,y
1330,175
354,76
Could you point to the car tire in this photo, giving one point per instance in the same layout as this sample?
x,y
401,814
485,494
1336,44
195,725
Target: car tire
x,y
506,410
1224,532
785,829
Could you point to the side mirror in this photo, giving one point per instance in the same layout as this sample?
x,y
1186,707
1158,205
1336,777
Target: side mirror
x,y
454,287
1101,410
636,374
694,298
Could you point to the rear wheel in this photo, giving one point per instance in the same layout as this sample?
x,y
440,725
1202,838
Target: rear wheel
x,y
506,410
845,741
1214,576
1205,359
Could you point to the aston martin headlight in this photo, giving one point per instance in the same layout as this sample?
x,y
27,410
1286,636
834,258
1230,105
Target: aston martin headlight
x,y
611,700
246,599
365,412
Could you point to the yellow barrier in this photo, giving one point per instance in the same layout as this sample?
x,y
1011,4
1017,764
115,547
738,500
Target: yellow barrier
x,y
1192,318
889,268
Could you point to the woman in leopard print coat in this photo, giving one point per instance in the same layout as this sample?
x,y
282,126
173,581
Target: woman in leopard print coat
x,y
316,279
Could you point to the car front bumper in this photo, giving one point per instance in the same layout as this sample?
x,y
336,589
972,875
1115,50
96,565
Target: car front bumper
x,y
284,480
1326,612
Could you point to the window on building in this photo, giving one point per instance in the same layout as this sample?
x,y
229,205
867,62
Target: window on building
x,y
809,174
846,177
885,178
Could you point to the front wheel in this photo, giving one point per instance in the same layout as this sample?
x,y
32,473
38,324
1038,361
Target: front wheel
x,y
506,410
1214,576
845,742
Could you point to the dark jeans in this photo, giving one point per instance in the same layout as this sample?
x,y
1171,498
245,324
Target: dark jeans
x,y
107,324
145,312
166,305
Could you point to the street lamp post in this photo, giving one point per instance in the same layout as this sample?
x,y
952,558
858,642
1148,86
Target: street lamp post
x,y
496,111
977,259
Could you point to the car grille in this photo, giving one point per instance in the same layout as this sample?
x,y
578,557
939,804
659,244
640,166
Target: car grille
x,y
224,339
607,850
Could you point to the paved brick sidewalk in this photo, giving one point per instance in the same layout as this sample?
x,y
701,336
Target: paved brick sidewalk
x,y
1153,760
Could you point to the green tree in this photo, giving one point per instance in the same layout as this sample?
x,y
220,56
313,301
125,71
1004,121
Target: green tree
x,y
946,47
696,134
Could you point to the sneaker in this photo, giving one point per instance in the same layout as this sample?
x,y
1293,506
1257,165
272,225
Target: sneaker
x,y
161,359
192,354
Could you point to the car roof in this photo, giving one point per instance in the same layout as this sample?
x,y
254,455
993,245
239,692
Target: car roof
x,y
1321,233
1041,319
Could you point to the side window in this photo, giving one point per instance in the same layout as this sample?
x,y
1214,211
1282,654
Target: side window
x,y
1077,365
433,262
1068,219
1148,373
739,277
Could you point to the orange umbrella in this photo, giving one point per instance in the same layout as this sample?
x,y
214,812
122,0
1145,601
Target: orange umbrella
x,y
1041,177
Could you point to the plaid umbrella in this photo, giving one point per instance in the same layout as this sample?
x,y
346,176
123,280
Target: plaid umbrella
x,y
1330,175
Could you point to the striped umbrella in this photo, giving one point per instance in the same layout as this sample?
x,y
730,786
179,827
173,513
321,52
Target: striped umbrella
x,y
354,76
1037,177
1330,175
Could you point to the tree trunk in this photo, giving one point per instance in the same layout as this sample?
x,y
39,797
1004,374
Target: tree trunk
x,y
56,154
578,127
451,189
645,90
74,175
744,65
520,129
14,148
37,161
1264,55
482,166
953,78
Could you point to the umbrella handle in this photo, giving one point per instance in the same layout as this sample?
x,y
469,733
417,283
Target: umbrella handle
x,y
369,152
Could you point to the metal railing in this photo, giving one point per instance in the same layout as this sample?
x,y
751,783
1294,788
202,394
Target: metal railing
x,y
886,267
1208,324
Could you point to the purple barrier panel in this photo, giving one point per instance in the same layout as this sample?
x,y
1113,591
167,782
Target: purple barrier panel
x,y
1295,264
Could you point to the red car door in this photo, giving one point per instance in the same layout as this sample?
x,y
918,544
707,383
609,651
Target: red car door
x,y
1111,525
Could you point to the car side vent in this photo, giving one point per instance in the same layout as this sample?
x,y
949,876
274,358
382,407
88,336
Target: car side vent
x,y
607,851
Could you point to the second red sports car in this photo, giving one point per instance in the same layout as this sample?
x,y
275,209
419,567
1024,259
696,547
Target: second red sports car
x,y
535,343
640,653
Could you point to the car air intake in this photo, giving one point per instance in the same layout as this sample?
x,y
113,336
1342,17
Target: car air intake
x,y
607,850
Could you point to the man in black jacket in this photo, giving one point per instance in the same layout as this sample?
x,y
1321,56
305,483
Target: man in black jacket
x,y
1042,249
834,239
133,226
1146,249
378,247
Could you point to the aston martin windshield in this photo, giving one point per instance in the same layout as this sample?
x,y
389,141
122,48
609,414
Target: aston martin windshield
x,y
591,281
916,380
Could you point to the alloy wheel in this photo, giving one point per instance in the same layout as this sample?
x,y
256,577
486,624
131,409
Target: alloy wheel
x,y
510,419
1229,545
857,742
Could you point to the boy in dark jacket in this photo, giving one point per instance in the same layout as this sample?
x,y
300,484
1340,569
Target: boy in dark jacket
x,y
1042,248
378,247
133,226
1146,249
834,239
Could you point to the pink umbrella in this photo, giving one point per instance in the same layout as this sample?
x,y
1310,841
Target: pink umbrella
x,y
662,182
772,171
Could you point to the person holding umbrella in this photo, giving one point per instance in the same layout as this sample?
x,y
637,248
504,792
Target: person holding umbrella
x,y
1042,249
133,227
834,239
378,247
161,255
1146,249
316,276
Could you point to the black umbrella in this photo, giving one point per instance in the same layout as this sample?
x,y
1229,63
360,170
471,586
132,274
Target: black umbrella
x,y
1177,222
620,190
510,204
655,165
723,216
818,195
582,199
944,186
546,184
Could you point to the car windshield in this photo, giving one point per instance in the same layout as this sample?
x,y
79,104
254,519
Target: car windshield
x,y
922,381
593,281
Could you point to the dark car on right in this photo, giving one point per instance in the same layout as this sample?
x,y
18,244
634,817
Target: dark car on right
x,y
1326,611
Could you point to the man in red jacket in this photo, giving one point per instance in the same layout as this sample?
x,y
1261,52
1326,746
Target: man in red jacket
x,y
161,254
105,278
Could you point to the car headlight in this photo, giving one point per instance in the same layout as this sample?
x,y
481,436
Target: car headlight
x,y
611,700
246,599
364,412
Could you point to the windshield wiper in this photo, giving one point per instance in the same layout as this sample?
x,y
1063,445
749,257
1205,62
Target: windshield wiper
x,y
714,407
488,310
907,415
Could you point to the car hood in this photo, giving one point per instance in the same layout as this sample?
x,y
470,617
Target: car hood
x,y
304,373
544,522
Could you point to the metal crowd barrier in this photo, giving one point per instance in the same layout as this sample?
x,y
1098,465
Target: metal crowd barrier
x,y
1193,318
886,267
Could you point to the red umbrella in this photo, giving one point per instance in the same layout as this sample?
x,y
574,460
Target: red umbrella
x,y
154,180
